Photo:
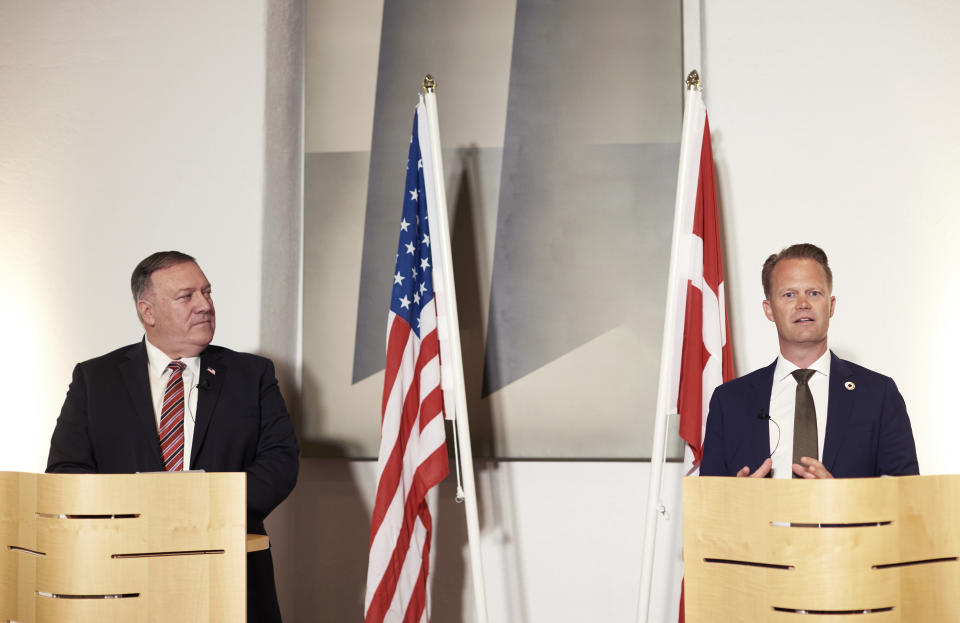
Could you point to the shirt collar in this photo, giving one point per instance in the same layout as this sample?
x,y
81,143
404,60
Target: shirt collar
x,y
157,361
785,368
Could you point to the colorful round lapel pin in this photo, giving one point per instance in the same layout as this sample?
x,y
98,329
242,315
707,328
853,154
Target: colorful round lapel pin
x,y
850,385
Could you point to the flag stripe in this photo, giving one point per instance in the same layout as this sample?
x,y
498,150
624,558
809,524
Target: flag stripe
x,y
431,407
390,476
429,472
414,507
690,399
418,604
396,346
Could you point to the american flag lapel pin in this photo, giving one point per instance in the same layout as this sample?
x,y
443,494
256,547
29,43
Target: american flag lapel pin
x,y
212,371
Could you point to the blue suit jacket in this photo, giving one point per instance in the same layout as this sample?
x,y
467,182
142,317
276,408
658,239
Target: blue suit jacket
x,y
868,431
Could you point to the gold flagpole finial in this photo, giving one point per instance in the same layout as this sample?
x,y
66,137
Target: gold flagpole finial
x,y
429,84
693,81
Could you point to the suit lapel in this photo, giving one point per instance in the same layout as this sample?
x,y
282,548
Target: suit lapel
x,y
212,373
760,407
133,370
839,410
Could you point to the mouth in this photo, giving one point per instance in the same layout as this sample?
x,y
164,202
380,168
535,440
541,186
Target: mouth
x,y
803,320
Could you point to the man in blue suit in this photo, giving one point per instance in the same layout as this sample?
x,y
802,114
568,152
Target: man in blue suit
x,y
850,422
222,408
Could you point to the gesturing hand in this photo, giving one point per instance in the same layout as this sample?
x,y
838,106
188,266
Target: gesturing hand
x,y
761,472
811,468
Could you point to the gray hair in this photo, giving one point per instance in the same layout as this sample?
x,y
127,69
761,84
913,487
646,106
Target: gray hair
x,y
140,279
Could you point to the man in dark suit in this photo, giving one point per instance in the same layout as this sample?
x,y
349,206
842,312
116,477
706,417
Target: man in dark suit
x,y
218,410
809,414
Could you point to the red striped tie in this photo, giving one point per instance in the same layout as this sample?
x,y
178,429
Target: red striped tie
x,y
171,419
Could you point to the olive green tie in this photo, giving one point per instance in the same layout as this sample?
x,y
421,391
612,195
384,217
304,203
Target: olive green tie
x,y
804,419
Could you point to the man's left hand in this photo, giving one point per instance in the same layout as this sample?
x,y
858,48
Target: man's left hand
x,y
811,468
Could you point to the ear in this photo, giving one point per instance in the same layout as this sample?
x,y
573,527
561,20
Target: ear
x,y
145,310
768,310
833,305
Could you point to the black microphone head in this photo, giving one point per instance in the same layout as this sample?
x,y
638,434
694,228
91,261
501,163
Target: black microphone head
x,y
763,415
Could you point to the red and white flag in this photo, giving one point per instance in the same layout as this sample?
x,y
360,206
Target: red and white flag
x,y
706,357
413,452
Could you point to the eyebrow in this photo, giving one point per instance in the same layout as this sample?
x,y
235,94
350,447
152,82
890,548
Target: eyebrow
x,y
192,289
793,289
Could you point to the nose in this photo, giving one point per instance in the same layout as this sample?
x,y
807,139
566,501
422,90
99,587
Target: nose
x,y
803,302
203,302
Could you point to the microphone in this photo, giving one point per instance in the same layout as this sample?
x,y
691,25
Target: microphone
x,y
764,415
204,383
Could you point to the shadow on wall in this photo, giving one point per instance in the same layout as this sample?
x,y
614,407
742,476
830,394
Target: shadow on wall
x,y
453,577
453,599
451,558
469,241
320,536
320,539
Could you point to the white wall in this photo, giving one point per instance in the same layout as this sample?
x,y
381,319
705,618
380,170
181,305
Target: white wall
x,y
834,123
126,128
831,124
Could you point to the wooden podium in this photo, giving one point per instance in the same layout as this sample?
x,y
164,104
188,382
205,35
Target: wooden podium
x,y
875,550
127,547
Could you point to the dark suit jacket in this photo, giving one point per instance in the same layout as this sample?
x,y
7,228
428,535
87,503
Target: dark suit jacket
x,y
868,431
107,425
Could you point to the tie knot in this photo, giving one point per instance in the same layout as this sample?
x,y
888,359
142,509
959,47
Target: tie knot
x,y
802,375
177,366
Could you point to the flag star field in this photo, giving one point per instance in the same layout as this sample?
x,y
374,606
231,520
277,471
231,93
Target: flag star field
x,y
413,276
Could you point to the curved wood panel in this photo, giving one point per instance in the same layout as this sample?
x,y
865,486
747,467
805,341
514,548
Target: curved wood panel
x,y
874,549
185,530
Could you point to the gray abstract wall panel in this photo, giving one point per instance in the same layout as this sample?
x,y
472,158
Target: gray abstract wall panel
x,y
573,261
420,36
560,127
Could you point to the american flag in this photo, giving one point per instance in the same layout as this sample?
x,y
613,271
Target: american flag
x,y
413,453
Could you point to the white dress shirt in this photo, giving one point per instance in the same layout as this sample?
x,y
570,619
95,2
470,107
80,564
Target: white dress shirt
x,y
782,404
159,375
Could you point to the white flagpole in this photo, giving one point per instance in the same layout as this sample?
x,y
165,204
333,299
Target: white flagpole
x,y
451,358
672,334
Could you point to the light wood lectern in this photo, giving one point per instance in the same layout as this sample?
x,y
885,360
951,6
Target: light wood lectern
x,y
130,548
874,550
